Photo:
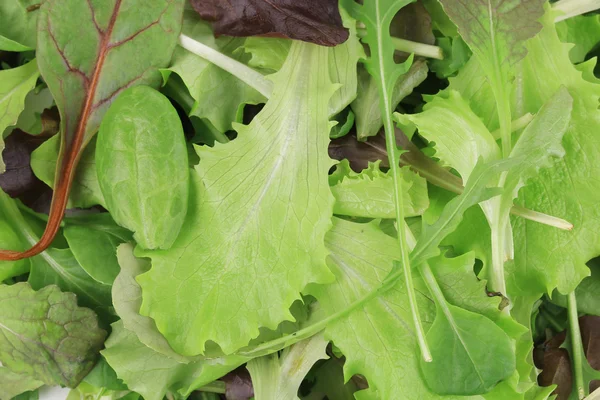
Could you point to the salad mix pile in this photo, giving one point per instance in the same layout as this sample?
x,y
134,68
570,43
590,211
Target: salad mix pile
x,y
316,199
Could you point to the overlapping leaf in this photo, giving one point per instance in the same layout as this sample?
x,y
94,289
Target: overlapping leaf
x,y
260,207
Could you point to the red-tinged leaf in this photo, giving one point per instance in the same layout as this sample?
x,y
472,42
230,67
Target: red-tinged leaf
x,y
88,53
315,21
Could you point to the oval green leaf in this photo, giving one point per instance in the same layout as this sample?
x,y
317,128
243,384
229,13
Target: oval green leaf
x,y
142,166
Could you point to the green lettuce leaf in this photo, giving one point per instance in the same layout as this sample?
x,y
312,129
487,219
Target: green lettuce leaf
x,y
378,339
279,376
545,257
583,31
218,96
15,84
370,193
269,200
127,300
152,374
45,334
267,53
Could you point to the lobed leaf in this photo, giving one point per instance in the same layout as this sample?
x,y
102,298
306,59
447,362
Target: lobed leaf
x,y
260,207
45,334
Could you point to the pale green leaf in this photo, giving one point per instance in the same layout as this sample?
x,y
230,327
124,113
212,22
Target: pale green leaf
x,y
266,52
366,106
370,193
85,191
127,299
13,384
142,166
219,96
378,339
15,84
45,334
152,374
545,257
279,377
583,31
18,20
259,209
459,135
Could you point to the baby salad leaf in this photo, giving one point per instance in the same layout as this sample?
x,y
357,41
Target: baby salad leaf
x,y
370,193
266,52
459,135
86,75
13,384
45,334
496,30
53,266
85,190
583,31
93,239
18,20
152,374
260,207
315,21
127,300
547,258
218,96
15,84
463,363
279,376
143,166
366,106
378,339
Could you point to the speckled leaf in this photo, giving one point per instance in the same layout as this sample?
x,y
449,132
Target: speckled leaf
x,y
260,207
45,334
142,166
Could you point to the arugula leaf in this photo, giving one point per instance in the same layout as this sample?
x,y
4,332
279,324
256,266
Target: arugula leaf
x,y
143,166
496,30
18,20
377,17
153,374
85,190
366,106
46,335
271,201
86,76
127,300
15,84
370,193
13,384
378,339
279,377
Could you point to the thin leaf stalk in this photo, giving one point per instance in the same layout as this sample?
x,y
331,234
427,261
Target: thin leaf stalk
x,y
576,345
394,160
